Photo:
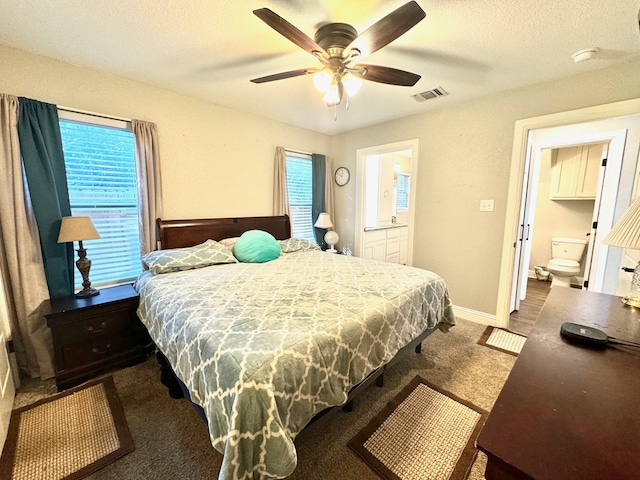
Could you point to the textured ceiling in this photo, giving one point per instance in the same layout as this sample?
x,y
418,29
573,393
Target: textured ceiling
x,y
210,49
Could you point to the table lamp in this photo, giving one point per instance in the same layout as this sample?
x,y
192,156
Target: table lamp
x,y
331,237
77,229
626,233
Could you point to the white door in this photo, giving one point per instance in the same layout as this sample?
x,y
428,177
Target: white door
x,y
7,389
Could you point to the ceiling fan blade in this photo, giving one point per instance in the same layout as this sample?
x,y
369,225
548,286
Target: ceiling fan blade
x,y
387,29
283,75
290,32
391,76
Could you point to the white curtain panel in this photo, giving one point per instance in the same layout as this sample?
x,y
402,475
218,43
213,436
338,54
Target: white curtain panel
x,y
23,272
149,183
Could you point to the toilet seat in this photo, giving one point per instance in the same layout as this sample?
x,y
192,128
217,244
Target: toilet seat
x,y
563,266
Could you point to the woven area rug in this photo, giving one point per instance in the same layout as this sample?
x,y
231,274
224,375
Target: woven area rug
x,y
499,339
67,436
424,433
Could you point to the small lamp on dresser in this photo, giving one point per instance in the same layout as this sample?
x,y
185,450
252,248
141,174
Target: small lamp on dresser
x,y
78,229
331,237
626,234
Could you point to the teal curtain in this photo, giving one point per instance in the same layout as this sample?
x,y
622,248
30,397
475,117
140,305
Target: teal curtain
x,y
318,173
43,160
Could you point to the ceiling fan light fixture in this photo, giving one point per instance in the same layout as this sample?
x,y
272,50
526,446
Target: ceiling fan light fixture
x,y
351,83
332,97
322,81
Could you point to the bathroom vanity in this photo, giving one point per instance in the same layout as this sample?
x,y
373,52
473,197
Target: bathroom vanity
x,y
386,243
568,411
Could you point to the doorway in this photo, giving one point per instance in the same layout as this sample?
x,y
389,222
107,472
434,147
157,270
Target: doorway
x,y
407,149
557,207
570,128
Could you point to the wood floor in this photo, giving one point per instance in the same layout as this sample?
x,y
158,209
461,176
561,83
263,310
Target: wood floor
x,y
522,320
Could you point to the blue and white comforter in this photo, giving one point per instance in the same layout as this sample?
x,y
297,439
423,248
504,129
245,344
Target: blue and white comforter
x,y
265,347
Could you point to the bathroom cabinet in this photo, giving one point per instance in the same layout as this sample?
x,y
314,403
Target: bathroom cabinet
x,y
575,172
386,244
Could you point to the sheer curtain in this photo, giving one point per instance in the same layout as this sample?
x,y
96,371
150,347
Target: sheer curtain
x,y
149,183
280,193
318,191
20,254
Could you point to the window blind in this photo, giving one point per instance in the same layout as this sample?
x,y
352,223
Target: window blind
x,y
299,187
101,177
403,186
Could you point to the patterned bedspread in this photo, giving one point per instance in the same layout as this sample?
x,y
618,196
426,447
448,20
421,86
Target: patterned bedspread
x,y
265,347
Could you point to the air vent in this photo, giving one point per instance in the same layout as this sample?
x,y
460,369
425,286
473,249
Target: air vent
x,y
429,94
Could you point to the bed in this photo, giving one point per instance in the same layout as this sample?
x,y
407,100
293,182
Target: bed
x,y
264,348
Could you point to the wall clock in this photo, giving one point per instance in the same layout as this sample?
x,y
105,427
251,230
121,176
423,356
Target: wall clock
x,y
342,176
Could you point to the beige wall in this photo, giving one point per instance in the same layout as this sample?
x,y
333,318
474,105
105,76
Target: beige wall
x,y
216,162
556,218
465,156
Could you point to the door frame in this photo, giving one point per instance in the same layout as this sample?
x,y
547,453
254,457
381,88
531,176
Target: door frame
x,y
361,156
518,162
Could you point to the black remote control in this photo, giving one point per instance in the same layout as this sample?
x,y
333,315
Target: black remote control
x,y
582,333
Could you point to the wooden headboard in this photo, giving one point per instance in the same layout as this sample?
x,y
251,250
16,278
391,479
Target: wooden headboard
x,y
186,233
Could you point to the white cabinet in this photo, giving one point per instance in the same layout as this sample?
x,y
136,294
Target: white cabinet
x,y
575,171
387,245
375,245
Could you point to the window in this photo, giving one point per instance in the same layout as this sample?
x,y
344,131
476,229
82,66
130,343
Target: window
x,y
101,176
299,187
403,185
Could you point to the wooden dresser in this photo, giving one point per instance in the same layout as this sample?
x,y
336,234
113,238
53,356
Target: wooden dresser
x,y
95,334
568,411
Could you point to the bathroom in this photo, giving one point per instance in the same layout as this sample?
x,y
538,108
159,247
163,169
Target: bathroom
x,y
565,203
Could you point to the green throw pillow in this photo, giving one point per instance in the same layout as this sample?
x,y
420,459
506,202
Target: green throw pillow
x,y
256,246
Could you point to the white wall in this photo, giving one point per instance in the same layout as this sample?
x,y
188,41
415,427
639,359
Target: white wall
x,y
215,161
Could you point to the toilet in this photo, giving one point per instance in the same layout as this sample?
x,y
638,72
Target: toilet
x,y
566,254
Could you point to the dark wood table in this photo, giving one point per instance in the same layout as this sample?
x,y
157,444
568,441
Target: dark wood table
x,y
568,411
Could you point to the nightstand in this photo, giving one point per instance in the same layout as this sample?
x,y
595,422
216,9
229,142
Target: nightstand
x,y
95,334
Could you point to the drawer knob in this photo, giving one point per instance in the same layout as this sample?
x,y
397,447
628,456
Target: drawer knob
x,y
97,351
94,330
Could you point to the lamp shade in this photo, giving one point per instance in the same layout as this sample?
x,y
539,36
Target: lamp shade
x,y
75,229
324,221
626,232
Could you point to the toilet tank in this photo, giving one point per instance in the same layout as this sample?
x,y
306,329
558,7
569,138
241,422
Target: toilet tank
x,y
568,248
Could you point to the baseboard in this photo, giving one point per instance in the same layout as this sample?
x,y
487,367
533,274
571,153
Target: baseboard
x,y
475,316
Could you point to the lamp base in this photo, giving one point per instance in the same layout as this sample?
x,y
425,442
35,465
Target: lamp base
x,y
87,292
331,250
632,300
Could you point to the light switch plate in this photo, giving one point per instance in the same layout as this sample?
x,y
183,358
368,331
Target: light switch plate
x,y
486,205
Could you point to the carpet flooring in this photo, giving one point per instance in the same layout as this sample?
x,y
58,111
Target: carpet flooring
x,y
172,442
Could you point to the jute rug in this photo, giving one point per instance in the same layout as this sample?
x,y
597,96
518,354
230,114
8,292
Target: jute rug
x,y
67,436
502,340
424,433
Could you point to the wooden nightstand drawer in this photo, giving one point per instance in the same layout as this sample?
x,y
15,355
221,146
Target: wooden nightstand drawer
x,y
96,334
86,330
97,350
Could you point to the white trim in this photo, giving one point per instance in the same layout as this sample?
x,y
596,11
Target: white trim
x,y
475,316
518,157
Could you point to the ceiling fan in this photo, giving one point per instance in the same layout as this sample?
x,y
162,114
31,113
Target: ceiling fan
x,y
339,48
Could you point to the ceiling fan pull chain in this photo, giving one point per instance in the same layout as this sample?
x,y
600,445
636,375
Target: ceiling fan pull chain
x,y
335,112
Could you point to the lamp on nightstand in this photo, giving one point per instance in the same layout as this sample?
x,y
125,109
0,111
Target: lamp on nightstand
x,y
77,229
626,234
331,237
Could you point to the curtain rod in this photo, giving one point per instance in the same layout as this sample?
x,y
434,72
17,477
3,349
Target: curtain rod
x,y
298,151
94,114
